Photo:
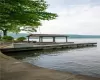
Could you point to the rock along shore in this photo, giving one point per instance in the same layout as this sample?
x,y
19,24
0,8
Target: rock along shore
x,y
12,69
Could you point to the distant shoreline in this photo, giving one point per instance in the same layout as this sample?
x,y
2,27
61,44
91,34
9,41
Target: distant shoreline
x,y
75,36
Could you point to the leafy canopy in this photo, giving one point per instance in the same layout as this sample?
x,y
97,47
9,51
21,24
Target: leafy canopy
x,y
23,14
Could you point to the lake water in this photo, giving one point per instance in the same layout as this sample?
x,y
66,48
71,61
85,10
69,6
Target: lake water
x,y
85,61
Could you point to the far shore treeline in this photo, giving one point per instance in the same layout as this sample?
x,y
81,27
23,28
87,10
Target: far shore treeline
x,y
70,35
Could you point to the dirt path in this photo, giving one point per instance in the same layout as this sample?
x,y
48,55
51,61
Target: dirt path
x,y
11,69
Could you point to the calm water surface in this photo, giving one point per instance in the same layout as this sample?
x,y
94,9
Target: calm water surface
x,y
84,61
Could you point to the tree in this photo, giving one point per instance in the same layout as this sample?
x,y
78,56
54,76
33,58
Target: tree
x,y
17,15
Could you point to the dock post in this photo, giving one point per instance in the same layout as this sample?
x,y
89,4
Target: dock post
x,y
54,39
40,39
66,40
28,39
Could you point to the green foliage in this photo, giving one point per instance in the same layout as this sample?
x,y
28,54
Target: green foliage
x,y
0,38
21,39
17,15
7,38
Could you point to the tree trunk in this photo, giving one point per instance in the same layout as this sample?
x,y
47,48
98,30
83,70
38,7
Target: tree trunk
x,y
4,32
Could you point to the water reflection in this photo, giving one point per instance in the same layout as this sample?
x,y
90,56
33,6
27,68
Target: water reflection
x,y
25,54
79,61
84,61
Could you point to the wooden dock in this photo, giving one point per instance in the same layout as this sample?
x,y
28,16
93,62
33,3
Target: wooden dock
x,y
52,46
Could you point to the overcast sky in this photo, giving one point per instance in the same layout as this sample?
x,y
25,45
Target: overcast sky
x,y
75,17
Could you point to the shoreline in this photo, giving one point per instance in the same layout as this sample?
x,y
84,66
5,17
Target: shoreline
x,y
12,69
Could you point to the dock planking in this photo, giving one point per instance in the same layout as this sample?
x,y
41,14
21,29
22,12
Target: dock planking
x,y
50,46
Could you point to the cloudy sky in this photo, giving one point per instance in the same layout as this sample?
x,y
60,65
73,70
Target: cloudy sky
x,y
75,17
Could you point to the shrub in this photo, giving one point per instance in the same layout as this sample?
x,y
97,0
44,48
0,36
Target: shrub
x,y
0,37
21,39
7,38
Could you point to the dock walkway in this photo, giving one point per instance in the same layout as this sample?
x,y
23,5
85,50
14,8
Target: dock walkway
x,y
50,46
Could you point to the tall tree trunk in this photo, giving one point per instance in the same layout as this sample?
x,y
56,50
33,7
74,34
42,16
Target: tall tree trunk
x,y
4,32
